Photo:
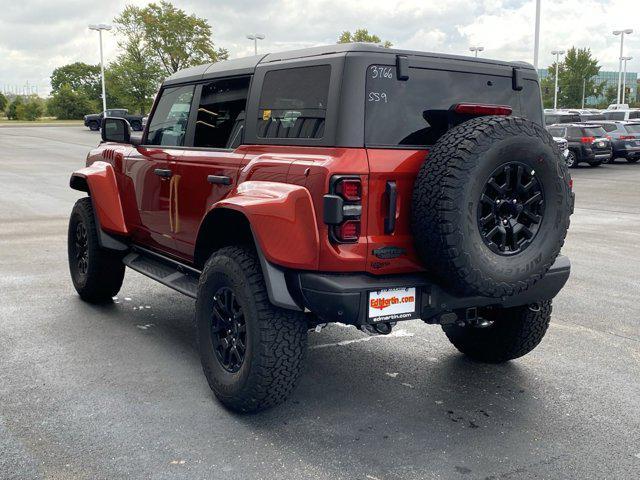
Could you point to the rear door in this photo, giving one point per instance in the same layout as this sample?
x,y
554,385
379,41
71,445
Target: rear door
x,y
207,169
149,170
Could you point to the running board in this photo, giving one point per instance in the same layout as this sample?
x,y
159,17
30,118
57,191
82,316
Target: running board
x,y
171,273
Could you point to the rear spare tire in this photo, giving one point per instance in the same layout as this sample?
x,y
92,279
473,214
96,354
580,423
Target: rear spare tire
x,y
491,206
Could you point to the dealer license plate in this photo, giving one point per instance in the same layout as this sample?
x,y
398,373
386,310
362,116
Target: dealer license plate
x,y
392,304
601,144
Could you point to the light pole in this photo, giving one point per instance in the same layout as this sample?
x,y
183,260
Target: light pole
x,y
624,76
100,27
476,50
557,53
255,37
536,40
622,33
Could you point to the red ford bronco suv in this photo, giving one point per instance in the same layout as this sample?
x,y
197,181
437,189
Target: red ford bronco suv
x,y
347,183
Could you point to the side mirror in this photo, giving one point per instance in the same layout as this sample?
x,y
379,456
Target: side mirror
x,y
115,130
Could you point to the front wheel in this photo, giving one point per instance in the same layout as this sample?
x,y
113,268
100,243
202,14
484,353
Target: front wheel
x,y
251,351
96,273
512,333
94,126
597,163
571,160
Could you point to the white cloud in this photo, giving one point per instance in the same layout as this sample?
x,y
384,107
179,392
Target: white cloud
x,y
38,35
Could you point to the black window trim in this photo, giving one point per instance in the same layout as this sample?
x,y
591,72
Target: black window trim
x,y
193,114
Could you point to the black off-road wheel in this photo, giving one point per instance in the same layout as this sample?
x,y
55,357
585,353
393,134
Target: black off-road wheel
x,y
597,163
633,160
96,273
251,351
94,126
512,333
571,160
491,206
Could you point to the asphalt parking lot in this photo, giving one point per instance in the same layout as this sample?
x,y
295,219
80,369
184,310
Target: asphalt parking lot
x,y
117,391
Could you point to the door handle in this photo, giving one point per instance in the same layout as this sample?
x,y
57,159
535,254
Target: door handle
x,y
219,179
164,173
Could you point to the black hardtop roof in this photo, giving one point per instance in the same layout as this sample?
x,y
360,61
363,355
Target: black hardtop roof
x,y
247,65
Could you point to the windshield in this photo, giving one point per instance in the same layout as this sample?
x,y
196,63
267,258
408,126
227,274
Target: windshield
x,y
416,112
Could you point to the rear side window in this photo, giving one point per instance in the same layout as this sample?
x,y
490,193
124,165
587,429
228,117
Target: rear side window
x,y
635,128
293,102
168,125
416,112
220,121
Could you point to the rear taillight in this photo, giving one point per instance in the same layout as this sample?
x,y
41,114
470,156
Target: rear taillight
x,y
349,189
343,208
349,231
481,109
588,139
627,137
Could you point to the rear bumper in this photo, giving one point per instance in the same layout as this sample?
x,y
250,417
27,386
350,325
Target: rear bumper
x,y
344,298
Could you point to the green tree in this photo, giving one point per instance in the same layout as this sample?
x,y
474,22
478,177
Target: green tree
x,y
576,71
69,104
81,77
135,75
15,110
3,102
362,35
172,38
33,109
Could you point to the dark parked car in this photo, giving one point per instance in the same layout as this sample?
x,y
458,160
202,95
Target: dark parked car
x,y
551,118
587,143
95,120
625,139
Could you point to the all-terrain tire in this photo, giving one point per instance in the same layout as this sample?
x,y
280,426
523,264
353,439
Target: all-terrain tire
x,y
275,339
96,273
514,333
448,197
94,126
633,160
597,163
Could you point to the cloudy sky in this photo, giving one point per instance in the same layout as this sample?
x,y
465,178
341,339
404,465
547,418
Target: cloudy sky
x,y
38,35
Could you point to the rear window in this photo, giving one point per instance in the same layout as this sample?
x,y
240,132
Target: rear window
x,y
293,102
614,115
593,131
609,127
569,118
415,112
634,115
635,128
556,132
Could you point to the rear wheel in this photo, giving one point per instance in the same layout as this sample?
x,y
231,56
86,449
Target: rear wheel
x,y
96,273
512,333
137,126
251,351
571,160
632,160
597,163
93,126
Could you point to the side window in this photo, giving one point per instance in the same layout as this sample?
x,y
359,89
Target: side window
x,y
168,124
614,115
220,122
634,115
293,102
551,119
609,127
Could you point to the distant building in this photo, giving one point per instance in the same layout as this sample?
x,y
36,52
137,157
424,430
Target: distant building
x,y
609,78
